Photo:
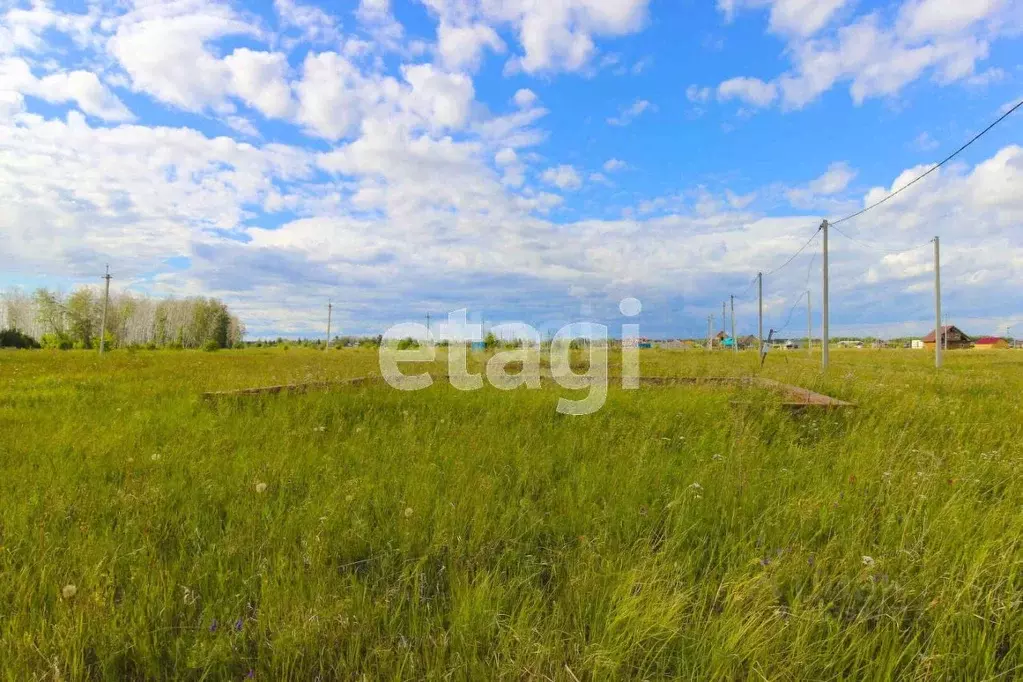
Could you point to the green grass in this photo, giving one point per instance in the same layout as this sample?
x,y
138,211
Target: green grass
x,y
451,535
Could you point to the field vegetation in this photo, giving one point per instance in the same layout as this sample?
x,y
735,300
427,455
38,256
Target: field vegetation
x,y
690,532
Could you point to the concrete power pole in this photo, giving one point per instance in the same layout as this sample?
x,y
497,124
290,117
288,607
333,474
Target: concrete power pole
x,y
428,328
825,335
809,324
735,341
724,318
760,312
939,331
103,320
330,309
710,332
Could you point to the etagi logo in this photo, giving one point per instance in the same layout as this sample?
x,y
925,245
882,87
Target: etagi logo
x,y
525,360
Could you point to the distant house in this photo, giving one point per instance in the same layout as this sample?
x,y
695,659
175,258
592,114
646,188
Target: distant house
x,y
990,342
747,342
794,344
917,344
952,337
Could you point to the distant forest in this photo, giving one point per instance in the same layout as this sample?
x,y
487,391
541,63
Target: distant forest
x,y
54,319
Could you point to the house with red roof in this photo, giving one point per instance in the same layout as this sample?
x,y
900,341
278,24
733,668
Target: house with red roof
x,y
990,343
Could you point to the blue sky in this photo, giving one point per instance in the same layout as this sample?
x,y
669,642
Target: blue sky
x,y
530,161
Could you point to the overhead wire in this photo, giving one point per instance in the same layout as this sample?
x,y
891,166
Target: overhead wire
x,y
931,169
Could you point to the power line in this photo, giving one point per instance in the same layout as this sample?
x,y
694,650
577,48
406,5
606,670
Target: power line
x,y
931,170
791,312
795,255
878,248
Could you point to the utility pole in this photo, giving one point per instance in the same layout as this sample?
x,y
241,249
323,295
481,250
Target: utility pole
x,y
724,319
760,313
103,321
710,332
735,341
428,326
825,336
939,331
809,324
330,309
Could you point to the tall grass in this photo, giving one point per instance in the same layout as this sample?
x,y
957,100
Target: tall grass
x,y
686,532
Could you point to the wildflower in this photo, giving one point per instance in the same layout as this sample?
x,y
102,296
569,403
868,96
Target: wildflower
x,y
69,592
717,458
261,488
213,625
408,512
155,457
320,429
868,561
696,487
238,625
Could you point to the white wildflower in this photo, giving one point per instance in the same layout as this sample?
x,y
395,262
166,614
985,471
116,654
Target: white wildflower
x,y
868,561
261,488
408,512
69,591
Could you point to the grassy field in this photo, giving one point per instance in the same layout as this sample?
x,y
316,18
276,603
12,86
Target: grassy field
x,y
367,533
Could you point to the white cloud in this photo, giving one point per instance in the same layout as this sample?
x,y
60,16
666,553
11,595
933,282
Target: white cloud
x,y
525,98
563,177
81,87
631,113
749,90
461,47
163,48
554,36
315,24
614,165
442,99
698,95
798,17
834,181
260,79
945,39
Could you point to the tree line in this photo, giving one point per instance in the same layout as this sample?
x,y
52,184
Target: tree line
x,y
55,319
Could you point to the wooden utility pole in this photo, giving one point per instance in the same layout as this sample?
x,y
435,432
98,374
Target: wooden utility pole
x,y
330,309
825,335
760,312
939,331
735,341
103,320
809,324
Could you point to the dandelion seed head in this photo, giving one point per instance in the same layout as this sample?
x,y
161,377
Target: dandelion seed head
x,y
408,512
69,591
261,488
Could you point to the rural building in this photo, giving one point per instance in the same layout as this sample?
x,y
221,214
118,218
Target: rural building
x,y
917,344
747,342
990,342
952,337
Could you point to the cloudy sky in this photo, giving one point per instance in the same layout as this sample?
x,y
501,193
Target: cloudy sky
x,y
531,160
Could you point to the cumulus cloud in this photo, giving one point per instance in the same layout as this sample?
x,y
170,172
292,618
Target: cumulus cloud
x,y
553,36
81,87
748,90
834,181
563,177
937,38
